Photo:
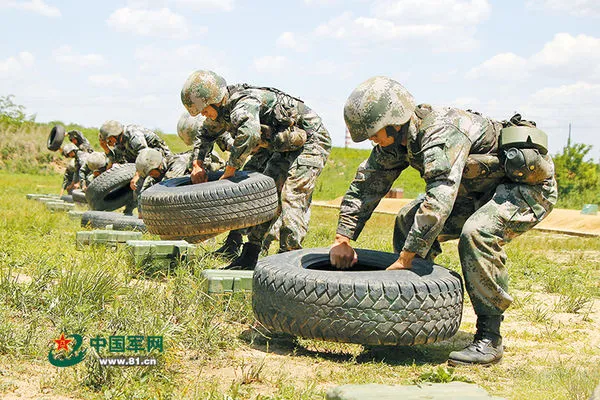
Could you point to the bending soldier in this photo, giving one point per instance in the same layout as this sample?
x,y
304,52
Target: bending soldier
x,y
484,211
298,142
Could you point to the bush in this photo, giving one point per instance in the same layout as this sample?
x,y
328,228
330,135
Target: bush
x,y
578,177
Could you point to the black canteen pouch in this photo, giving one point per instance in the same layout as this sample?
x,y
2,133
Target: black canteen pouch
x,y
523,150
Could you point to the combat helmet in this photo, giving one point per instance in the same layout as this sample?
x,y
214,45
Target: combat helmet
x,y
188,126
147,160
376,103
68,148
111,128
96,161
71,165
201,89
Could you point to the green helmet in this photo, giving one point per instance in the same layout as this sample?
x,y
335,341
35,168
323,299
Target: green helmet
x,y
147,160
201,89
376,103
188,126
111,128
67,148
71,165
96,161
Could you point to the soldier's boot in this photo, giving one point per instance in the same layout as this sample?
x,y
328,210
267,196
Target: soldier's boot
x,y
486,348
231,246
248,259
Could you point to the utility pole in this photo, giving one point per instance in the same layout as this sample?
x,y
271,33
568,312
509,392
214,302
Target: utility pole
x,y
348,139
569,139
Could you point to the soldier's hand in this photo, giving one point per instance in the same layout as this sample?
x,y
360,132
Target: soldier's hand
x,y
198,174
341,254
133,182
76,185
229,172
403,262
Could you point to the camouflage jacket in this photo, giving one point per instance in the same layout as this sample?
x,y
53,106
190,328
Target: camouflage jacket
x,y
438,145
86,176
85,144
242,114
80,159
177,165
136,138
68,178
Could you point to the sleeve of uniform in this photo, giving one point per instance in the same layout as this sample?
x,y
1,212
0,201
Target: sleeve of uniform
x,y
445,152
373,180
83,172
67,179
246,121
203,144
225,141
138,142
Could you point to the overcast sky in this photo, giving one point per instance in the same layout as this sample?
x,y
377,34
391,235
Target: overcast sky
x,y
87,62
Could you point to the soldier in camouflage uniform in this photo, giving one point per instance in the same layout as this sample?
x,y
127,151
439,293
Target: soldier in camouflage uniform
x,y
95,164
69,150
129,140
68,183
77,138
294,135
484,210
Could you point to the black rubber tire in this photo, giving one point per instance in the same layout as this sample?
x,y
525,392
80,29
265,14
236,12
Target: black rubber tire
x,y
110,190
78,196
176,208
119,222
56,137
299,293
67,198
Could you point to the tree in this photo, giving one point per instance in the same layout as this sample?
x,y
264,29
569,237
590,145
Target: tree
x,y
575,174
11,112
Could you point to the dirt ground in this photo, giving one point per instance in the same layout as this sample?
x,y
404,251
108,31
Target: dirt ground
x,y
559,220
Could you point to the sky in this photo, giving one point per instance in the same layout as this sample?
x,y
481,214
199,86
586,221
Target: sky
x,y
87,62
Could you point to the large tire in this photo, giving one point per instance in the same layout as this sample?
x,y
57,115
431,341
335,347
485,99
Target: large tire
x,y
299,293
78,196
119,222
56,137
175,208
110,190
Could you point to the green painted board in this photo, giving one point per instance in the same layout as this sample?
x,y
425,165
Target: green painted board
x,y
424,391
159,249
222,281
104,237
33,196
75,215
59,206
590,209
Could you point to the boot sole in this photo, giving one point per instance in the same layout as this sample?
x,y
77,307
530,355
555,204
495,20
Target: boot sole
x,y
455,363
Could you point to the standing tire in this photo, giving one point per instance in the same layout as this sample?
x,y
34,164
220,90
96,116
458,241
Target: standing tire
x,y
119,222
299,293
176,208
78,196
110,190
56,137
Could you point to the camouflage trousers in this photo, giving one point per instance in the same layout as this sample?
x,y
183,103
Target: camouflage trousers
x,y
483,226
295,174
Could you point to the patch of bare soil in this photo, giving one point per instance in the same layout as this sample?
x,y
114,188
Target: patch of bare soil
x,y
28,381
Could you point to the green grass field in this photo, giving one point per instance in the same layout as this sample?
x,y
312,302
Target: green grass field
x,y
552,332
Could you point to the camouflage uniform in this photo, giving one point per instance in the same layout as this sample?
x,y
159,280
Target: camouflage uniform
x,y
86,176
294,166
69,174
84,143
484,213
136,138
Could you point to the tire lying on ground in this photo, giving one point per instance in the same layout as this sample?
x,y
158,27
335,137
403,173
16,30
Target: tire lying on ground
x,y
78,196
299,293
56,137
110,190
177,209
119,222
67,198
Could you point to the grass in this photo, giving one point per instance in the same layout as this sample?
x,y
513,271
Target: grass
x,y
46,287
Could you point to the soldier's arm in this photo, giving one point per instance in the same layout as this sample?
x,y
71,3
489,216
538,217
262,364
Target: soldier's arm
x,y
83,172
373,180
443,162
138,142
245,118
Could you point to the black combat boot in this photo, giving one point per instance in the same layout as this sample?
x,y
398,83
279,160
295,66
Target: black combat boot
x,y
486,348
248,259
231,247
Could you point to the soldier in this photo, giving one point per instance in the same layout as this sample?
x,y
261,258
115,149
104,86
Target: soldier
x,y
77,138
68,183
127,142
485,210
188,128
95,164
293,133
69,150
